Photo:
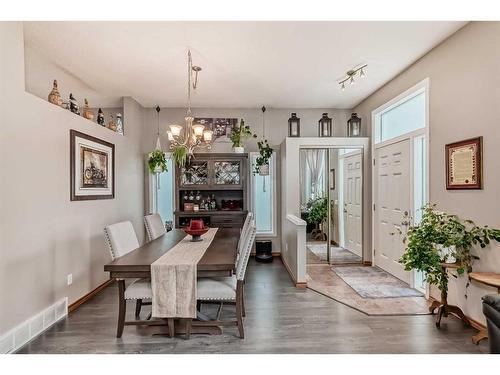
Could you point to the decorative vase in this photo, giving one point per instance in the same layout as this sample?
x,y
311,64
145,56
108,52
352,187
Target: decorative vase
x,y
54,96
73,105
100,117
446,253
158,169
264,170
87,112
239,150
112,123
119,123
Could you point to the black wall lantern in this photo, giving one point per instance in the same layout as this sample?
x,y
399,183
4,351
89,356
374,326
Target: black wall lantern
x,y
294,126
354,126
325,126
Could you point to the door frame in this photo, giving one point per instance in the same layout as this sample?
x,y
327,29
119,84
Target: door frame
x,y
422,86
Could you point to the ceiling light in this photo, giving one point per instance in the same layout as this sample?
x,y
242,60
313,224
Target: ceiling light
x,y
349,76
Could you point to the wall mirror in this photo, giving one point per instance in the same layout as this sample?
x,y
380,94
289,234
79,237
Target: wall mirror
x,y
331,202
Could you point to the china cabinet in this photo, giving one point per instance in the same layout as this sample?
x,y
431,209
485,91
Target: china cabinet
x,y
212,187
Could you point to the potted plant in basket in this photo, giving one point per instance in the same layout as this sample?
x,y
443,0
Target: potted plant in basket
x,y
238,135
157,162
317,215
261,166
442,238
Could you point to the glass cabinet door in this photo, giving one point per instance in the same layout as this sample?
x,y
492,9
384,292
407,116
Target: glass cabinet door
x,y
227,173
194,174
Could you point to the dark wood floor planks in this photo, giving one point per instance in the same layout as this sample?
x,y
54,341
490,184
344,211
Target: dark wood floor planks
x,y
280,319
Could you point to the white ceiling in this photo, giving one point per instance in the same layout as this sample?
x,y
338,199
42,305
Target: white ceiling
x,y
245,64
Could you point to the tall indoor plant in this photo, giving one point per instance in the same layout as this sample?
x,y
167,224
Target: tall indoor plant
x,y
436,231
238,135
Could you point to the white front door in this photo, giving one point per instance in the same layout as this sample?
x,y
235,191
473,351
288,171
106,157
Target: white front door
x,y
392,200
353,190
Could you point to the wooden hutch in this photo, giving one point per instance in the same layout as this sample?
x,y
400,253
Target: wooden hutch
x,y
209,177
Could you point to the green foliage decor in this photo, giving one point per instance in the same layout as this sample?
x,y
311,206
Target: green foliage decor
x,y
318,211
239,133
157,159
265,152
180,155
440,228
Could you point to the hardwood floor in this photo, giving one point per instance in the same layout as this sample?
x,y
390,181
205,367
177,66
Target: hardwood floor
x,y
280,319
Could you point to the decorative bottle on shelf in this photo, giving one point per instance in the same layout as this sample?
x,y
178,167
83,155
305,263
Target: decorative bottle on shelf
x,y
198,196
186,197
119,123
203,205
87,112
112,123
73,105
100,117
191,196
213,203
208,204
54,96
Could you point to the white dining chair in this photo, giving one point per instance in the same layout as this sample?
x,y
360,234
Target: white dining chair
x,y
229,289
154,226
121,240
243,236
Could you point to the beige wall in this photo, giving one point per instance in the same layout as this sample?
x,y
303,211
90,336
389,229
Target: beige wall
x,y
464,73
44,236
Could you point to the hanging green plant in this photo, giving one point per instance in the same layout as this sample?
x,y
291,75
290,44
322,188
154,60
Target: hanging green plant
x,y
318,211
180,155
437,231
157,162
265,152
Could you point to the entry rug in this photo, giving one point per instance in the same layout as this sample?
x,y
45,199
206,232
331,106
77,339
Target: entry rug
x,y
372,282
173,278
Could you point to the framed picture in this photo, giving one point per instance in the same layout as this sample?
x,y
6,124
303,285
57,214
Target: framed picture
x,y
220,126
464,164
92,167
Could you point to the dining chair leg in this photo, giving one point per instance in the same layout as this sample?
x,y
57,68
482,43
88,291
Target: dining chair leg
x,y
138,305
122,307
239,309
189,322
244,313
171,327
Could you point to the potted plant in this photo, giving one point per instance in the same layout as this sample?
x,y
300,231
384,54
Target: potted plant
x,y
317,216
157,162
238,135
262,162
438,236
180,155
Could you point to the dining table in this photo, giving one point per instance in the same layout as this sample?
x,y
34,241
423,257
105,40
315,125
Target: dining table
x,y
217,261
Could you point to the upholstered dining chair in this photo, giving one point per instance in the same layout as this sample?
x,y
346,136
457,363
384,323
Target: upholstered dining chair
x,y
154,226
229,289
121,240
243,235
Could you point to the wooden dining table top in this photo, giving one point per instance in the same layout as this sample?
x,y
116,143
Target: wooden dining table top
x,y
219,258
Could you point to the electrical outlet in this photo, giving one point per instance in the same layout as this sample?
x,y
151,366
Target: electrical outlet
x,y
70,279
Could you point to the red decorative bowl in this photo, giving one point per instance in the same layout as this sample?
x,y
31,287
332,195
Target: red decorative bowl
x,y
196,229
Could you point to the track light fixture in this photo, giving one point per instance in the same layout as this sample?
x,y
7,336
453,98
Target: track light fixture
x,y
351,74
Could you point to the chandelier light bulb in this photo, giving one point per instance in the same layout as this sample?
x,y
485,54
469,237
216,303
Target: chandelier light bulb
x,y
207,135
352,80
170,136
176,130
198,130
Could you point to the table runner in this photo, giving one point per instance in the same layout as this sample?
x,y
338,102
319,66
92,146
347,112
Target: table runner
x,y
173,278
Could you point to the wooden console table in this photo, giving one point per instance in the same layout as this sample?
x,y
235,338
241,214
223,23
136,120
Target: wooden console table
x,y
490,279
443,307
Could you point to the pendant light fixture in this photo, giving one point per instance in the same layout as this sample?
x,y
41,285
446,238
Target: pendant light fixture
x,y
350,74
158,143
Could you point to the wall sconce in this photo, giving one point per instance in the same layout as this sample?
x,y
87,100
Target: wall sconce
x,y
354,126
325,126
294,126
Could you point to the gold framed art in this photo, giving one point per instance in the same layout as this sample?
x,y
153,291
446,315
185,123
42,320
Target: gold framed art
x,y
464,164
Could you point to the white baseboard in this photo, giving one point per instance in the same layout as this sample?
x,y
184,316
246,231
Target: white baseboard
x,y
29,329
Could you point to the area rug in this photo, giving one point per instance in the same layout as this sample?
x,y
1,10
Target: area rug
x,y
337,254
372,282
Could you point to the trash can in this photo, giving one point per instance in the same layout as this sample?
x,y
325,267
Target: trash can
x,y
264,251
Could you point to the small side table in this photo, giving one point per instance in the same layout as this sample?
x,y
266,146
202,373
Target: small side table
x,y
490,279
443,307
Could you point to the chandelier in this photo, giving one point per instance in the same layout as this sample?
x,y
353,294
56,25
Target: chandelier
x,y
190,136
